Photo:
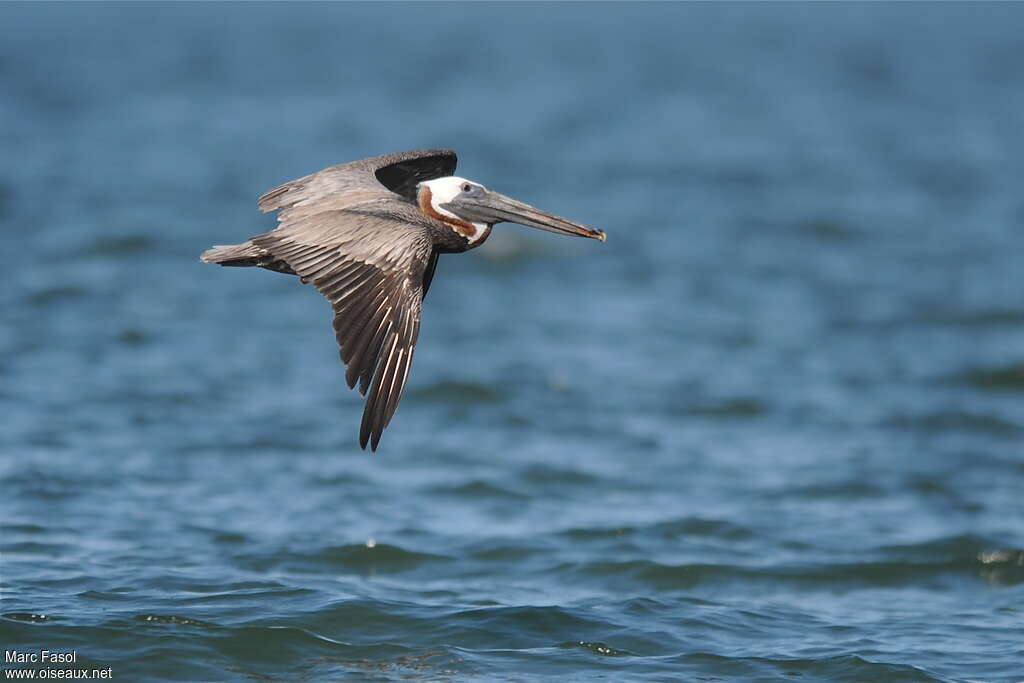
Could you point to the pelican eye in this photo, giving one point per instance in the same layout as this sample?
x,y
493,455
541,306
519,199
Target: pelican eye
x,y
471,190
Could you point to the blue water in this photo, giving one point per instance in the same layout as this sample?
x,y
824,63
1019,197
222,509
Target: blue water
x,y
771,430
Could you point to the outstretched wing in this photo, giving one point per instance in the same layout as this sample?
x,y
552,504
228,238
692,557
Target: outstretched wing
x,y
357,181
369,261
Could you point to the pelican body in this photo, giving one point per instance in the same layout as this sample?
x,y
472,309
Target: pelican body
x,y
368,234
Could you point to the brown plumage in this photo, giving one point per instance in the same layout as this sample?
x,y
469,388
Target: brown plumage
x,y
357,233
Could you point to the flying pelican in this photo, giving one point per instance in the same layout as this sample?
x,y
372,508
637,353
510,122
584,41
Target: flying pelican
x,y
367,234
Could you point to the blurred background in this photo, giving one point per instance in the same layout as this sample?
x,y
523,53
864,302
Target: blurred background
x,y
773,428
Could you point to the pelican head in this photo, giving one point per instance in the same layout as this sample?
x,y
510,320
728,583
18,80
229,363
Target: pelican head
x,y
473,203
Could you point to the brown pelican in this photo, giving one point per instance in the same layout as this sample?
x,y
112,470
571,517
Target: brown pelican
x,y
367,234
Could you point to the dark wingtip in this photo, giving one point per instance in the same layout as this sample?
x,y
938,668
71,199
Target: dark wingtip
x,y
350,372
364,432
369,433
371,440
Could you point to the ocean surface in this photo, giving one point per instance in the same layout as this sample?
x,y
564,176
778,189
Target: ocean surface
x,y
773,429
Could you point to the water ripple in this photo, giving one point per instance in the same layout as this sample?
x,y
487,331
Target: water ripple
x,y
770,431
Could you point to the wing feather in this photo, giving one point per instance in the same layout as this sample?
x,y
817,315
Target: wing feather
x,y
371,426
364,344
344,284
372,350
369,261
428,275
350,322
316,262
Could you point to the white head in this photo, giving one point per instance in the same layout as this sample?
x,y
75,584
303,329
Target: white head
x,y
441,191
444,190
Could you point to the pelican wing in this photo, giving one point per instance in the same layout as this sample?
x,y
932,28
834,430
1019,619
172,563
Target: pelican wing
x,y
355,182
369,259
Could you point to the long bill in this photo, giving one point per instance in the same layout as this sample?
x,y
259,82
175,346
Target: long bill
x,y
494,207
